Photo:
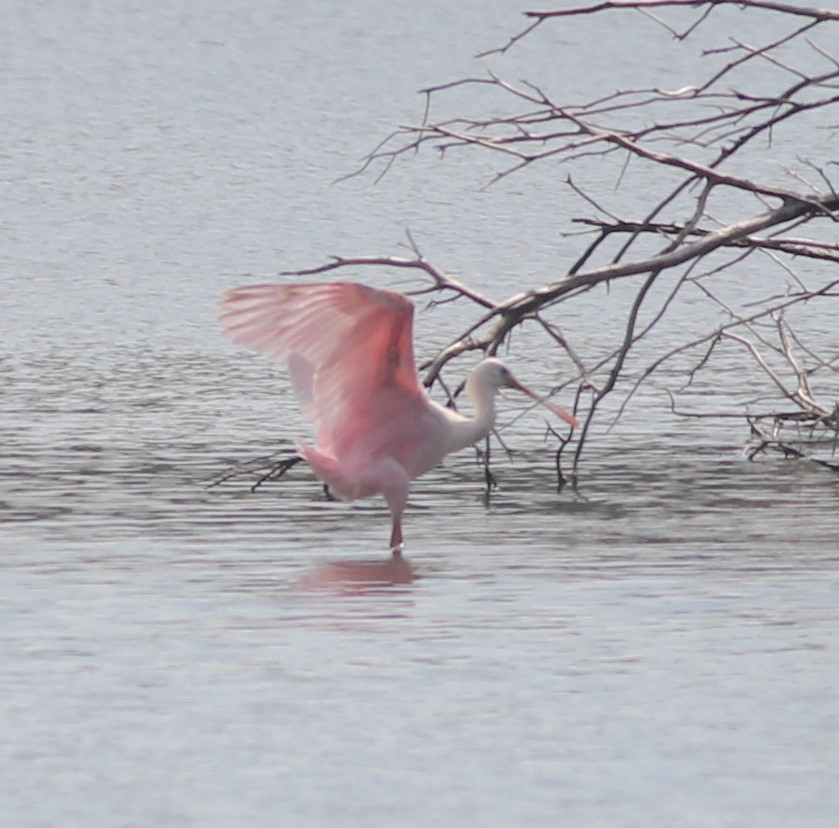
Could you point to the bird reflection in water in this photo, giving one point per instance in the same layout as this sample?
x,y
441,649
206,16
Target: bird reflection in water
x,y
361,576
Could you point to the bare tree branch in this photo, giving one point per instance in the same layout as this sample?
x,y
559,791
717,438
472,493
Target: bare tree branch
x,y
707,142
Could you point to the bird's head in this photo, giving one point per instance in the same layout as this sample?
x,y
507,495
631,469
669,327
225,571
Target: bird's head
x,y
493,375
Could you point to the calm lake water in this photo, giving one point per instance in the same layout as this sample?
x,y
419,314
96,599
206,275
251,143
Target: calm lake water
x,y
658,649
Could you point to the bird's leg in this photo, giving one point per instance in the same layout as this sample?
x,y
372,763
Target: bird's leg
x,y
396,536
395,485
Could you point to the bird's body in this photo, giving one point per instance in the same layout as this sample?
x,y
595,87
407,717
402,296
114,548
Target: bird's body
x,y
349,350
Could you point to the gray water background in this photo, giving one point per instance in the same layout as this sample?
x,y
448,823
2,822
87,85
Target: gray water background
x,y
659,649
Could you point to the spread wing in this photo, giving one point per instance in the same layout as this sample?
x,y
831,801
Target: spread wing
x,y
342,342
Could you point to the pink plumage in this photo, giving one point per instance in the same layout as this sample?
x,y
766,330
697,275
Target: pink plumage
x,y
349,351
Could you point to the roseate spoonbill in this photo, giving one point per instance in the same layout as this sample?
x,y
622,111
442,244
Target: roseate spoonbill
x,y
350,354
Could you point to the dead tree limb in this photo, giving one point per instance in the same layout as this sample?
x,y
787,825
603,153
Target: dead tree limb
x,y
705,141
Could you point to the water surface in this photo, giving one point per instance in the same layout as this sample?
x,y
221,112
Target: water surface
x,y
657,648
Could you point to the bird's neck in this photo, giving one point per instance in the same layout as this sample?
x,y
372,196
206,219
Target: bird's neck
x,y
469,430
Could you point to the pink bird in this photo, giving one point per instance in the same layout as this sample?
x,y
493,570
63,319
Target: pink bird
x,y
349,351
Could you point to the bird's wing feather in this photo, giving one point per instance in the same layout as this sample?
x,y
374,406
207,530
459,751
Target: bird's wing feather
x,y
343,341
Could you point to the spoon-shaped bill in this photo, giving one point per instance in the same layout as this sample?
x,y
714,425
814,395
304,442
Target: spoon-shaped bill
x,y
560,412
